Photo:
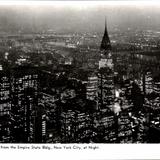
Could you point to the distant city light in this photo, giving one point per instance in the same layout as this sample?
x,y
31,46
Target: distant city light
x,y
1,68
117,93
116,108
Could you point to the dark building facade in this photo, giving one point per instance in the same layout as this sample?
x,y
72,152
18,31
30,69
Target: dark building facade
x,y
5,108
105,44
19,106
24,102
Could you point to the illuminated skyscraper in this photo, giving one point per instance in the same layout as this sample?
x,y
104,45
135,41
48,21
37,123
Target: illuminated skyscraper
x,y
5,108
24,103
40,124
92,87
106,72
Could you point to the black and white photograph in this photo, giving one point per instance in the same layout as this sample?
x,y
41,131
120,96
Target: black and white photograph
x,y
80,73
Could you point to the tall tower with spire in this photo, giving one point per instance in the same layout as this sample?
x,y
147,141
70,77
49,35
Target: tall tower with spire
x,y
105,44
106,73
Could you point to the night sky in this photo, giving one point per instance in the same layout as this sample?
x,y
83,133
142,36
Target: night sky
x,y
79,17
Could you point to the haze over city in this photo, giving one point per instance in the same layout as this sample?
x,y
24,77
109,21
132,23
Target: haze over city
x,y
78,17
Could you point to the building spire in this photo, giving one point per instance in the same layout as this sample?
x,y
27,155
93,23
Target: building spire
x,y
105,25
105,44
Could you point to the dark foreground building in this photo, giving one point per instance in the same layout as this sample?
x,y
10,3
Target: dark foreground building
x,y
19,105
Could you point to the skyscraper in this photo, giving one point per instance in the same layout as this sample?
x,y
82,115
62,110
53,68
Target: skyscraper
x,y
5,108
24,102
91,88
40,124
106,72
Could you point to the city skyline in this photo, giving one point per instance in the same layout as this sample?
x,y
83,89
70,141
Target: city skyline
x,y
79,88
